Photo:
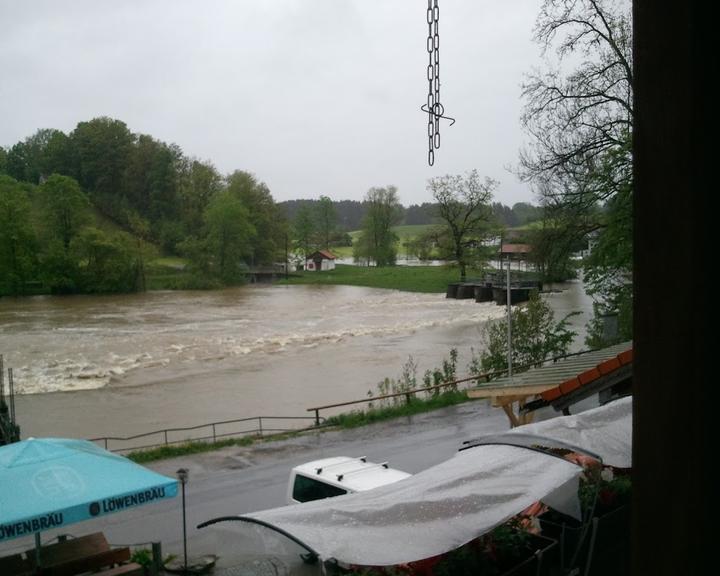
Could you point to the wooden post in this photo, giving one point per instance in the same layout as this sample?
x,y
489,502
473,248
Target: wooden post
x,y
157,561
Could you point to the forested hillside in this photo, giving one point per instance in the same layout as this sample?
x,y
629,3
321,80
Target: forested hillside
x,y
81,212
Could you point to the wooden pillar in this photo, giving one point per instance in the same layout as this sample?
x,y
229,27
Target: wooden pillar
x,y
673,380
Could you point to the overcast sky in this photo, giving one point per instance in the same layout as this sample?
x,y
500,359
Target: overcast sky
x,y
312,96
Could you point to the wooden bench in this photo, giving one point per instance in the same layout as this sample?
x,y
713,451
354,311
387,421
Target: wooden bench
x,y
83,564
90,553
15,565
129,569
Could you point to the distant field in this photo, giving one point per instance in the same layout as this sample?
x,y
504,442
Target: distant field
x,y
405,233
412,231
407,278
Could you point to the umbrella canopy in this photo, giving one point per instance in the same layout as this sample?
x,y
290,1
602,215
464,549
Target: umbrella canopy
x,y
48,483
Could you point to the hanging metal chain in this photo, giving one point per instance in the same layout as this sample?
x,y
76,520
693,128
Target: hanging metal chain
x,y
433,107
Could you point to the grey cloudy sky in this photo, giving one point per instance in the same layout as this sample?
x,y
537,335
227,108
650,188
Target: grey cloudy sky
x,y
313,96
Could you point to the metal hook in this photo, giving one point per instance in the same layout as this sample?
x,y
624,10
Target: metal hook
x,y
436,115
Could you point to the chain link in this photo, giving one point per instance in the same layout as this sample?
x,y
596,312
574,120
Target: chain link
x,y
433,107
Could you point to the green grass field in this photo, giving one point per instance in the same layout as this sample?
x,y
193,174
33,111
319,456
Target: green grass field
x,y
404,233
408,278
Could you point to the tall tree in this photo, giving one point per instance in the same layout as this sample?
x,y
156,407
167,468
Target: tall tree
x,y
580,116
199,181
326,219
304,230
3,160
65,212
17,238
229,236
65,207
46,152
102,147
463,205
266,218
377,241
107,261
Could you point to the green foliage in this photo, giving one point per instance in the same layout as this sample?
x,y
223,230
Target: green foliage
x,y
463,205
66,208
269,224
304,231
142,556
553,243
432,279
535,337
229,237
17,238
175,450
107,262
326,219
608,271
102,148
415,406
491,554
377,241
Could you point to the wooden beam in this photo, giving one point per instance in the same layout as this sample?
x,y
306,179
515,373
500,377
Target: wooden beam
x,y
524,390
502,400
511,415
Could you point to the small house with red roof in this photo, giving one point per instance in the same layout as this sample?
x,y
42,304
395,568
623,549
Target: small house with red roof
x,y
320,261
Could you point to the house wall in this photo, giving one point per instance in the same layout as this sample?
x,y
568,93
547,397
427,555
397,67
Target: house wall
x,y
324,265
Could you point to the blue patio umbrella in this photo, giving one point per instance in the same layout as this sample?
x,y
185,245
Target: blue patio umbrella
x,y
48,483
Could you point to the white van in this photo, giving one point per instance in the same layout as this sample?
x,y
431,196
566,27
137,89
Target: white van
x,y
336,476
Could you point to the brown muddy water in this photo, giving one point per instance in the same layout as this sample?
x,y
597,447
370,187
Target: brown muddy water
x,y
91,366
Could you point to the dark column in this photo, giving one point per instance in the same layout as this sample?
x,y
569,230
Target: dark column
x,y
672,454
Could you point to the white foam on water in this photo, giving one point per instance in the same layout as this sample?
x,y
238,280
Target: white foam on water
x,y
81,357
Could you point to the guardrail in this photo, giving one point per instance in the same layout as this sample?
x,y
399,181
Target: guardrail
x,y
410,393
211,432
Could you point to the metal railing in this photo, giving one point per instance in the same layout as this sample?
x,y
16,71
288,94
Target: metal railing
x,y
409,394
211,433
214,431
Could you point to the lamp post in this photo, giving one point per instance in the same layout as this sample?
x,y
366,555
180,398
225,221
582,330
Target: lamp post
x,y
182,475
508,297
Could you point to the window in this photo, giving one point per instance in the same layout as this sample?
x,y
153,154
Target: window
x,y
306,489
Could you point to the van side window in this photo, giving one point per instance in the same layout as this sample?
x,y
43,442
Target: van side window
x,y
306,489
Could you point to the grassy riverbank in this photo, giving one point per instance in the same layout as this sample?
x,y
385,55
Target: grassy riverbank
x,y
407,278
352,419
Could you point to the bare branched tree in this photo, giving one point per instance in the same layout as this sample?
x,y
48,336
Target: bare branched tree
x,y
579,114
579,109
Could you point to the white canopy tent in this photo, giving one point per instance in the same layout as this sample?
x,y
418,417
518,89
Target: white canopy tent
x,y
450,504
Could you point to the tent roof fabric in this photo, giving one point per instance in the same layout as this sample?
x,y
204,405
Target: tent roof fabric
x,y
445,506
606,431
429,513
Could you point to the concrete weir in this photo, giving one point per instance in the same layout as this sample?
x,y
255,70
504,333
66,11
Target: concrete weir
x,y
489,290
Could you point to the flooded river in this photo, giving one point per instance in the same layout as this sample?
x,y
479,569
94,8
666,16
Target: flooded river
x,y
88,366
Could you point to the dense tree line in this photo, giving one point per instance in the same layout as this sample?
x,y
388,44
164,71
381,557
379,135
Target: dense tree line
x,y
350,213
79,211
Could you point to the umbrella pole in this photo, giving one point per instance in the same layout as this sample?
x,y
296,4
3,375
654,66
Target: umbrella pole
x,y
37,549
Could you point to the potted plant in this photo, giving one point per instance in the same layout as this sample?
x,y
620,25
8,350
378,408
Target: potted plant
x,y
598,543
508,550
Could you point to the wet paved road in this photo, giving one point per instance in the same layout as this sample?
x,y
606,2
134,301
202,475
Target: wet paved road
x,y
238,480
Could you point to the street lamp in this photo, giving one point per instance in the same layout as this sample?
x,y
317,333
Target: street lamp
x,y
182,475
